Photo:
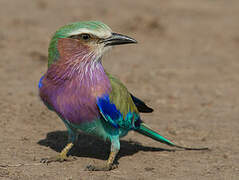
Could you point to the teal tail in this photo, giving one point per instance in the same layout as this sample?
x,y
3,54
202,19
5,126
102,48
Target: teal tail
x,y
144,130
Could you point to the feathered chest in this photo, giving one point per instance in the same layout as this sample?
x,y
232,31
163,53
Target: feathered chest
x,y
73,96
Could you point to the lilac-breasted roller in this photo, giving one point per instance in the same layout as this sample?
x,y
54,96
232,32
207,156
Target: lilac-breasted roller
x,y
86,97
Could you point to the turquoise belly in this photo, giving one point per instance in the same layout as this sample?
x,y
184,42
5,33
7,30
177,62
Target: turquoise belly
x,y
97,128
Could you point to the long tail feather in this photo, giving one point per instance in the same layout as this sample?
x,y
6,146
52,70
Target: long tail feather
x,y
145,130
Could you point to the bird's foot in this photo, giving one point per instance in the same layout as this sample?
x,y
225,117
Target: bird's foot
x,y
58,158
102,167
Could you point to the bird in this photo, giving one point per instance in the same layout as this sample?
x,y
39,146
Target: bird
x,y
85,96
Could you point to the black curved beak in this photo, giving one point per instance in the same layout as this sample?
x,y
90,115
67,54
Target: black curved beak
x,y
118,39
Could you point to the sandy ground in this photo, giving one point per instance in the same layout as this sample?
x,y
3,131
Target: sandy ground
x,y
185,66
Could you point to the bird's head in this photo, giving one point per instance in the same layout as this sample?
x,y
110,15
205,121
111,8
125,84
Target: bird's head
x,y
85,40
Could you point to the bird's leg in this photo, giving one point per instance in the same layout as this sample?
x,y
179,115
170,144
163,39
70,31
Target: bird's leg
x,y
109,165
110,162
62,156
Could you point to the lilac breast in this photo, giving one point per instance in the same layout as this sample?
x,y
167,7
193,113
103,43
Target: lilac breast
x,y
75,98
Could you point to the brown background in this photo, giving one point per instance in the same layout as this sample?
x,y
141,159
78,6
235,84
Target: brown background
x,y
185,66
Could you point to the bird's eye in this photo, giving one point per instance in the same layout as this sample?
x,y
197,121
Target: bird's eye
x,y
85,36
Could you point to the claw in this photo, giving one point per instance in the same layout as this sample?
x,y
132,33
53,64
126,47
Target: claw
x,y
60,157
57,158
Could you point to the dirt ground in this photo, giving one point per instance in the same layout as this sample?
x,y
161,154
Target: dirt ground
x,y
185,66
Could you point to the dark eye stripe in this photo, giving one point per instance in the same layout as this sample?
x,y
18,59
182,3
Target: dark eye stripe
x,y
75,36
83,36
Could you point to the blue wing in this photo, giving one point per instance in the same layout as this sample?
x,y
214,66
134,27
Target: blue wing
x,y
39,86
109,111
112,115
40,82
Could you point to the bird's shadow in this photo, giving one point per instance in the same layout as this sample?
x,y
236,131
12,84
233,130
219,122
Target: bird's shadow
x,y
88,146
